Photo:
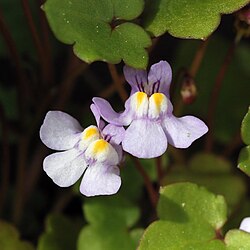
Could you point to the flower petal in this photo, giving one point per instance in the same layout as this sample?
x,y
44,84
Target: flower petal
x,y
103,152
100,180
109,115
60,131
136,78
245,224
181,132
145,139
113,134
159,78
100,123
65,168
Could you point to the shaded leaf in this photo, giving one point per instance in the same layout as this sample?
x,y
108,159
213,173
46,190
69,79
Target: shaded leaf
x,y
112,210
9,238
110,219
104,238
61,234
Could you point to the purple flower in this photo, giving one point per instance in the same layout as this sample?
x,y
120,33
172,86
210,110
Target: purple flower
x,y
94,150
148,114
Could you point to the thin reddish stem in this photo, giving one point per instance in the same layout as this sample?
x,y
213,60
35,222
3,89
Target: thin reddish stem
x,y
118,83
153,195
199,55
36,40
235,143
22,82
195,65
160,171
215,95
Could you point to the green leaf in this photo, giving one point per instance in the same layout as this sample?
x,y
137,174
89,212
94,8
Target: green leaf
x,y
186,201
104,238
189,217
244,160
109,221
187,18
237,240
61,234
112,210
136,235
213,172
86,24
245,128
169,235
9,238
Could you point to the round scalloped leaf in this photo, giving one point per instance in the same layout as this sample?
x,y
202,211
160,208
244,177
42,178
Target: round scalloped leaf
x,y
86,24
9,238
61,234
181,202
189,217
244,160
114,211
214,173
245,128
103,237
187,18
169,235
237,240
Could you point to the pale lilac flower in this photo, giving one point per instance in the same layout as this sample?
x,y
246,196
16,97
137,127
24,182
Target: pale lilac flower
x,y
94,150
148,114
245,225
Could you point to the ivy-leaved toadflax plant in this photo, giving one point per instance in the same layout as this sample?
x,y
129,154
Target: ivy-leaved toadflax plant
x,y
94,151
148,114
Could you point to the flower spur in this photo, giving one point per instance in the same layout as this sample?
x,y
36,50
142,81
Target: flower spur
x,y
148,114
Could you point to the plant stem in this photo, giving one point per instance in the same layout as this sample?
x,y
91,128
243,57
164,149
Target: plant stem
x,y
160,171
38,45
21,173
45,31
22,82
235,143
195,65
215,95
118,83
5,159
199,55
153,195
62,202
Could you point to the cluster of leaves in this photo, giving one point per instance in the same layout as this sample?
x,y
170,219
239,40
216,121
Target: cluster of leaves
x,y
125,25
190,217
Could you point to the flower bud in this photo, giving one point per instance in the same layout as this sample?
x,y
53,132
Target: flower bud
x,y
242,22
188,89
